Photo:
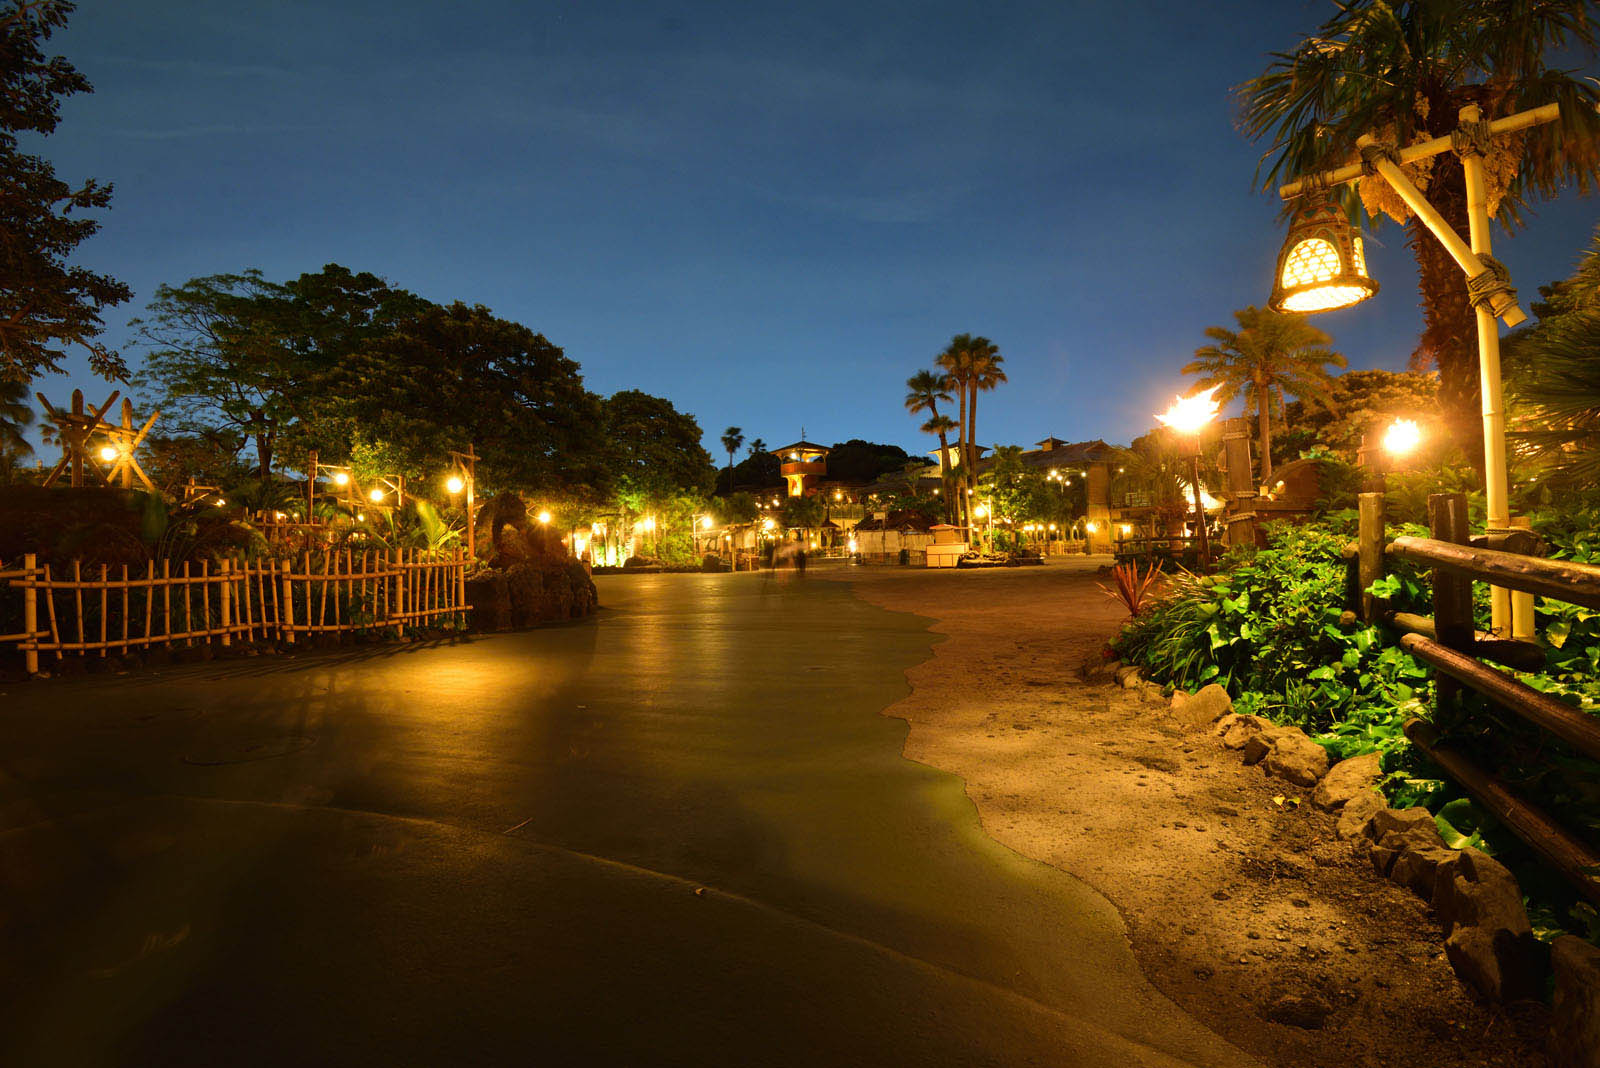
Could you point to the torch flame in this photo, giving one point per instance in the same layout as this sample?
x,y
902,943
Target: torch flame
x,y
1188,415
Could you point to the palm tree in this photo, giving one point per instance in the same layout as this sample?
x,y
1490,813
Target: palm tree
x,y
970,364
1402,69
757,447
925,391
16,414
1270,355
732,438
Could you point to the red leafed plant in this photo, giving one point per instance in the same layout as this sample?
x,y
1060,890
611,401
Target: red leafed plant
x,y
1133,588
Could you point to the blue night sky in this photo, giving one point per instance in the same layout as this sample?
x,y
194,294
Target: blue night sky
x,y
769,213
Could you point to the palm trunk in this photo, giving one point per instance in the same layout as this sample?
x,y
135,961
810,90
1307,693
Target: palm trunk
x,y
961,449
972,441
1449,338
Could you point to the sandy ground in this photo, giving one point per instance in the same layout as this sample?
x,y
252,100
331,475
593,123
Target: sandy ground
x,y
1235,892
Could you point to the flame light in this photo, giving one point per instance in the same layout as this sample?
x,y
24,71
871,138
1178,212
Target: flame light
x,y
1189,415
1402,437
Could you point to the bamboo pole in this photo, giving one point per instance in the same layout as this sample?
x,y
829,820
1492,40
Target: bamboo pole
x,y
166,600
224,597
1522,618
1411,153
249,614
285,614
30,613
1496,489
77,595
149,598
1370,552
205,599
50,603
125,608
105,596
399,592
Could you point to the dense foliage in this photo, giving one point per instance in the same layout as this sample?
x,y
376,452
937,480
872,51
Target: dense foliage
x,y
47,306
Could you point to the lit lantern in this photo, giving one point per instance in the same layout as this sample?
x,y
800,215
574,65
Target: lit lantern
x,y
375,495
1402,436
454,484
705,522
341,479
1322,266
544,517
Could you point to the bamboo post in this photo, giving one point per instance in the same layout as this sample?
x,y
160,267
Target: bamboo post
x,y
149,598
30,613
224,603
400,592
1369,550
166,601
105,598
1521,601
205,600
1496,489
285,611
244,593
77,596
50,603
125,609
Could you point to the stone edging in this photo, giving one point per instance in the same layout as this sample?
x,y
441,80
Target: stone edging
x,y
1488,939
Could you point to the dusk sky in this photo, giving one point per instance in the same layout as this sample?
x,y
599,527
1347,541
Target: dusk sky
x,y
771,214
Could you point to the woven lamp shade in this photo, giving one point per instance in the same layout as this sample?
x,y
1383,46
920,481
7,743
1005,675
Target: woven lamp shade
x,y
1322,266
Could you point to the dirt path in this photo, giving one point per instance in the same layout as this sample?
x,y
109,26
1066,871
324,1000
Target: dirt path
x,y
1238,896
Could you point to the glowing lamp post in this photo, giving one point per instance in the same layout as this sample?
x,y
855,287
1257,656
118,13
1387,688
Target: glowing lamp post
x,y
1320,277
1189,416
1402,438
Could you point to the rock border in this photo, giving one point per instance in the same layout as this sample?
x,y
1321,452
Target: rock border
x,y
1488,938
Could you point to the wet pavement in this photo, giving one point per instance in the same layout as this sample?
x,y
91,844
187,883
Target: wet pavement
x,y
680,833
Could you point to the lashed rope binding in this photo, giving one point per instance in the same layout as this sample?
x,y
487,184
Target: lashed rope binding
x,y
1484,289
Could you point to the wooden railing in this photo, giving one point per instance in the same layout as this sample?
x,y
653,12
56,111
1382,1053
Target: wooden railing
x,y
66,610
1449,644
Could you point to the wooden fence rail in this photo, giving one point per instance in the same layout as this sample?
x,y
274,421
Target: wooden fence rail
x,y
66,610
1455,650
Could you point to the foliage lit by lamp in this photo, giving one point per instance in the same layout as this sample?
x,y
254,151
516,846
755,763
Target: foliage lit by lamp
x,y
1322,266
1402,437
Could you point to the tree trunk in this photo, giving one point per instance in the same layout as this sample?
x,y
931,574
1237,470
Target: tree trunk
x,y
1449,338
972,444
1264,424
944,472
961,450
264,454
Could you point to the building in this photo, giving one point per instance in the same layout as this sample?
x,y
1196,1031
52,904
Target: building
x,y
803,466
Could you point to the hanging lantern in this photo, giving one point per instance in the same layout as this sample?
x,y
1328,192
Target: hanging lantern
x,y
1322,266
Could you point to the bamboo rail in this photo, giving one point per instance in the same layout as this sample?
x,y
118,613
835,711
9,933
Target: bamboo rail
x,y
1451,646
100,613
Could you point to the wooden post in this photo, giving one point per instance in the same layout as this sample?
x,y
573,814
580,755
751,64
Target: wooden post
x,y
1369,553
286,610
1241,482
1452,595
30,613
224,602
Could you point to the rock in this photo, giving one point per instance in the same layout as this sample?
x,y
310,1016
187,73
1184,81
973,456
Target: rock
x,y
1417,822
1200,709
1357,811
1306,1011
1258,745
1236,728
1474,868
1418,869
1491,943
1153,692
1345,780
1575,1019
1297,758
1128,677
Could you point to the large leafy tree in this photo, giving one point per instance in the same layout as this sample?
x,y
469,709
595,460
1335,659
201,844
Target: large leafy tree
x,y
219,356
46,305
1402,69
16,415
1269,357
653,450
1359,403
456,375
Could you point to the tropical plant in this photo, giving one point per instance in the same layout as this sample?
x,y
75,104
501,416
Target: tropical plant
x,y
1402,70
1132,587
16,415
732,438
1268,357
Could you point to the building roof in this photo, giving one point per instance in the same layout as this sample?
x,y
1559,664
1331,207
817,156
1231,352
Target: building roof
x,y
1063,453
802,446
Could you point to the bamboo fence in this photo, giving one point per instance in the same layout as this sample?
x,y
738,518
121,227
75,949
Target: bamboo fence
x,y
105,610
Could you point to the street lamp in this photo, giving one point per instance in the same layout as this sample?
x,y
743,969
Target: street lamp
x,y
544,518
1402,437
1189,416
1488,284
